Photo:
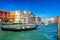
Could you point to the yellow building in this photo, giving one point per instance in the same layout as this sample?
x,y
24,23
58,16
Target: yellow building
x,y
15,16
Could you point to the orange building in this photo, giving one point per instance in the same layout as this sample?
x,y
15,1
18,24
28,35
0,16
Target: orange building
x,y
4,14
12,16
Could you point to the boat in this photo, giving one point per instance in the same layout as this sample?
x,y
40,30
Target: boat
x,y
21,27
46,22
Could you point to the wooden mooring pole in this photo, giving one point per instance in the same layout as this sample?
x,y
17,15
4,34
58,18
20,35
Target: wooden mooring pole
x,y
58,30
58,20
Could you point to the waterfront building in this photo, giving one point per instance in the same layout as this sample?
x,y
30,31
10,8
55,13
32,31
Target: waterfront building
x,y
4,14
31,18
37,20
49,20
25,16
15,16
12,16
20,16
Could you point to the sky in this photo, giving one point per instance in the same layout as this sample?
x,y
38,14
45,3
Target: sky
x,y
41,8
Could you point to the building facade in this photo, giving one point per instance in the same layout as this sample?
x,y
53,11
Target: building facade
x,y
28,17
15,16
49,20
20,16
37,20
12,16
25,16
4,14
31,18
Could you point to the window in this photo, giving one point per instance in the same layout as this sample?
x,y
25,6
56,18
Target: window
x,y
5,13
24,19
31,18
31,15
25,15
0,13
20,13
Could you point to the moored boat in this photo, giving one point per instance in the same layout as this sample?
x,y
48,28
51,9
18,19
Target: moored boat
x,y
18,27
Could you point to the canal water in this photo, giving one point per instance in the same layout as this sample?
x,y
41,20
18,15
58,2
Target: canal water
x,y
43,32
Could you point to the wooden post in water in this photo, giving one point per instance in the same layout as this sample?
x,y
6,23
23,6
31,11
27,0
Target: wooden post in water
x,y
58,26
